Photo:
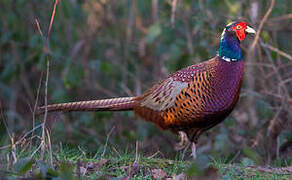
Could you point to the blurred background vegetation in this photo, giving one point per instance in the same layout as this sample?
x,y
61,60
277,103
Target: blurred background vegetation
x,y
102,48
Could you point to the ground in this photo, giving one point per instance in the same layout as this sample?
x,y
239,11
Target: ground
x,y
78,164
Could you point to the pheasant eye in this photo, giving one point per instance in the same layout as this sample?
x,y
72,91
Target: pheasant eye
x,y
238,27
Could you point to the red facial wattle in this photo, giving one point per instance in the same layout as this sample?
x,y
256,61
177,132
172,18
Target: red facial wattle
x,y
240,30
240,34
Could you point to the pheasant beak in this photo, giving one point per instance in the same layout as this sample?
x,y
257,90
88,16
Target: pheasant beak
x,y
250,30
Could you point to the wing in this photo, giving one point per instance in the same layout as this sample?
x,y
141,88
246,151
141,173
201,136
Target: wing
x,y
163,97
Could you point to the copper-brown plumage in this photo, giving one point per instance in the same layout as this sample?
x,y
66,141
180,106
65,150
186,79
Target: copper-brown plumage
x,y
206,94
191,100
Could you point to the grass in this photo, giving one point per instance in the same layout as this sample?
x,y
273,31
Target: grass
x,y
237,171
91,166
71,163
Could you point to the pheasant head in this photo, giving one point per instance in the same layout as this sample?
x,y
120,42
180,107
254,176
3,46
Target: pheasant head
x,y
232,35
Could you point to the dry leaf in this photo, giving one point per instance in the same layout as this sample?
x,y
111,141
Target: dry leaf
x,y
289,169
96,166
134,169
83,170
181,176
101,163
158,173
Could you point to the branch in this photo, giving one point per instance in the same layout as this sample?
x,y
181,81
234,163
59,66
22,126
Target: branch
x,y
279,97
280,18
255,41
286,55
22,138
173,10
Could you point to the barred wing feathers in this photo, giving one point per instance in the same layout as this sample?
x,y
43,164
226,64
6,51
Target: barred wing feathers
x,y
169,104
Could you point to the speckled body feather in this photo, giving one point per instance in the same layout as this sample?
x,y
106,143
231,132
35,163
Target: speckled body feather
x,y
207,93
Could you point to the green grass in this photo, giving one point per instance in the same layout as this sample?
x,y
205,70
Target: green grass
x,y
71,163
239,171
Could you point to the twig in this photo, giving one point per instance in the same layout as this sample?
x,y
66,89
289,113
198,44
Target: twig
x,y
280,79
116,151
285,81
46,108
12,143
155,10
4,122
36,102
127,90
284,17
50,148
137,155
258,64
255,41
235,157
272,123
153,155
173,10
14,157
37,149
278,97
273,130
286,55
22,138
8,161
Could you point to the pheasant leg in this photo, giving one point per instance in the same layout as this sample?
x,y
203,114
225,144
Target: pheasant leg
x,y
194,150
184,141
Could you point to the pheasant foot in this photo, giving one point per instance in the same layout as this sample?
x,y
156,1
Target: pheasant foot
x,y
184,141
194,151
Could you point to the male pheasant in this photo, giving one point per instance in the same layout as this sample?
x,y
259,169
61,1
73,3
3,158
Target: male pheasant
x,y
191,100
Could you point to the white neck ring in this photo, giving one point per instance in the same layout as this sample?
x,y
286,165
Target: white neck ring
x,y
228,59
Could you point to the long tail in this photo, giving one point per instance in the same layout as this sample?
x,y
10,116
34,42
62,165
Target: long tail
x,y
114,104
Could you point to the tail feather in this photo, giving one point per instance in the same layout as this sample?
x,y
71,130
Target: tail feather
x,y
114,104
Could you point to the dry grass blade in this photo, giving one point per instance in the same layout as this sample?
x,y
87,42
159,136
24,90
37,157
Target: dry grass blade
x,y
107,138
50,148
46,51
37,99
39,27
52,18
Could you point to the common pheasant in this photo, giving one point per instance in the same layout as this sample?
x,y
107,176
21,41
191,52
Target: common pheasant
x,y
191,100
